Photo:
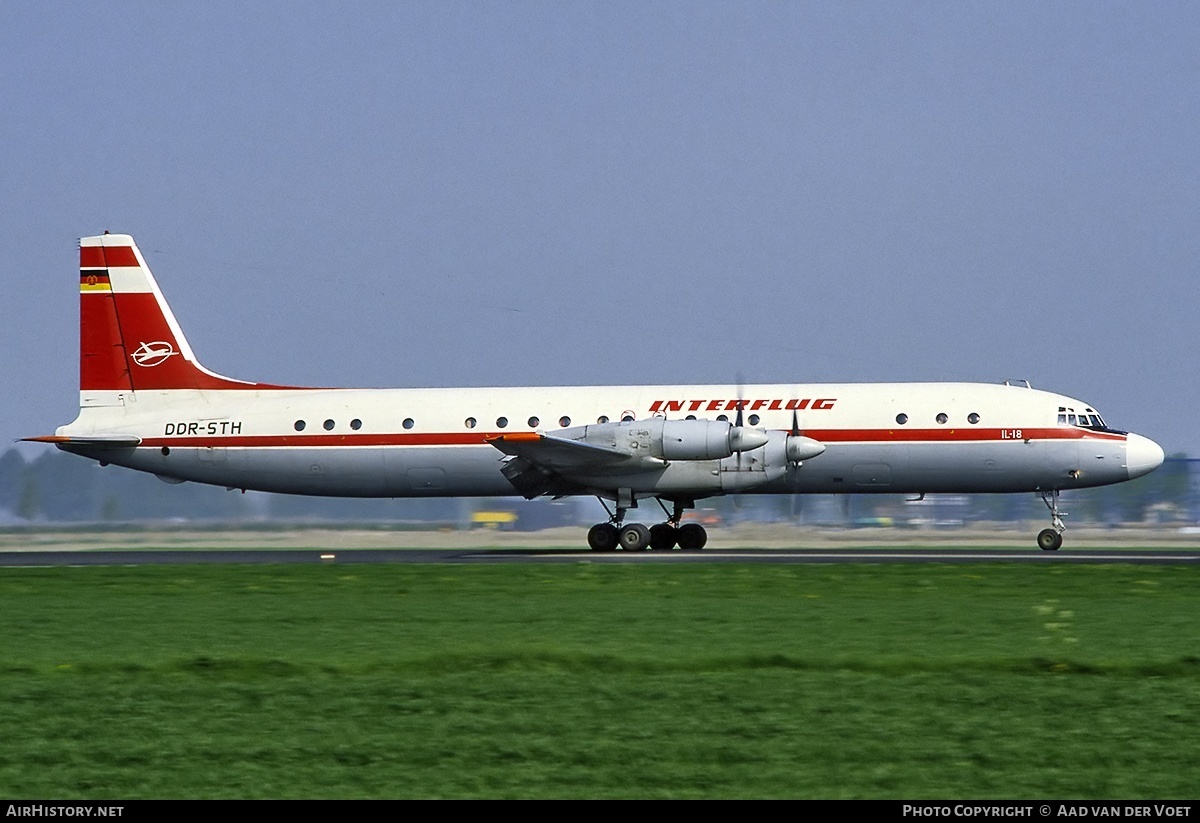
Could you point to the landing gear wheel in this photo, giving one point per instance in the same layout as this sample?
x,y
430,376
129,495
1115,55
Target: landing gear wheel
x,y
634,537
662,537
602,537
1049,540
691,536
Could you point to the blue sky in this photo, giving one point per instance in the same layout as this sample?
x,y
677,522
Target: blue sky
x,y
521,193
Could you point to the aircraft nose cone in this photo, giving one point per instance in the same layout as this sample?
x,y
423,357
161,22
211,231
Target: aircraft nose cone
x,y
1142,455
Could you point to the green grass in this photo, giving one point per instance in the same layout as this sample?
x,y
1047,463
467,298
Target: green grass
x,y
582,680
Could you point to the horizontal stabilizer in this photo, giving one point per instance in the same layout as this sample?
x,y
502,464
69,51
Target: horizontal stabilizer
x,y
115,441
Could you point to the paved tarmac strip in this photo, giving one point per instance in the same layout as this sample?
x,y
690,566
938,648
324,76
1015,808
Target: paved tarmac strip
x,y
851,556
28,559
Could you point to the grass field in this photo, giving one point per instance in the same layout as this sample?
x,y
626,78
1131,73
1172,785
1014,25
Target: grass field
x,y
588,680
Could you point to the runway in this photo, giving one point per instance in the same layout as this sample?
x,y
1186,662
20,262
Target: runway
x,y
52,558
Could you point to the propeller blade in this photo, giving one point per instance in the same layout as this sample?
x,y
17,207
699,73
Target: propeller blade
x,y
741,401
738,433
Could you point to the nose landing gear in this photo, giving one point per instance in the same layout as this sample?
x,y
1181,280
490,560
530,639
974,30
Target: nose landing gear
x,y
1050,540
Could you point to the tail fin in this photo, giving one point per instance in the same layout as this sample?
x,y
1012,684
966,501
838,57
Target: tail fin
x,y
128,338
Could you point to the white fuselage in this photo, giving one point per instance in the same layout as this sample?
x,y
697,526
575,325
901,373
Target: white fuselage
x,y
880,437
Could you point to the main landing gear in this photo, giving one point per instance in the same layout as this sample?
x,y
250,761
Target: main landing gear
x,y
1050,540
634,537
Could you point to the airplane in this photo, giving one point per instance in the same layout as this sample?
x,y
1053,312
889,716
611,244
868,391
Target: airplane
x,y
146,403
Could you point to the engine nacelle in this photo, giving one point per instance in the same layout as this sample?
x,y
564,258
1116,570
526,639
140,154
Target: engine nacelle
x,y
670,439
706,439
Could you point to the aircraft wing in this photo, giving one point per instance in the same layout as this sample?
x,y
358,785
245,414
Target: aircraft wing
x,y
561,454
543,464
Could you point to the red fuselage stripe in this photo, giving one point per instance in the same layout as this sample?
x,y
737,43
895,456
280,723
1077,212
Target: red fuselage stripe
x,y
480,438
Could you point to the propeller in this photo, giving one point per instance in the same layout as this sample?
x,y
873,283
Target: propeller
x,y
741,438
800,448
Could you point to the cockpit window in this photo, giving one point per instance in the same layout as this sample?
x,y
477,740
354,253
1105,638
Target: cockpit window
x,y
1088,420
